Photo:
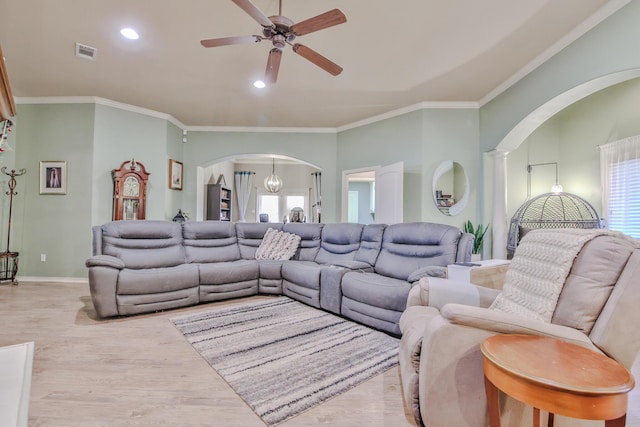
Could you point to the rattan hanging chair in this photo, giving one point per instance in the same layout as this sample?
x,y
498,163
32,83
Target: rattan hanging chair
x,y
551,210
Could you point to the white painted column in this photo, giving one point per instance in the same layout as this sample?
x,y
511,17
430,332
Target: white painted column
x,y
499,223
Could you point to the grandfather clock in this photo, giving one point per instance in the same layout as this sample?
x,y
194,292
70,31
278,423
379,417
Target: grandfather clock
x,y
129,190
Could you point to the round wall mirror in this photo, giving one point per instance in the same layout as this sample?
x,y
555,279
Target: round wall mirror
x,y
450,187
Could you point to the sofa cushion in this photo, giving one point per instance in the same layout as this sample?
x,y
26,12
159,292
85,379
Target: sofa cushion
x,y
590,282
370,243
339,243
134,241
539,269
220,273
376,290
408,247
277,245
302,273
210,241
309,239
157,280
250,236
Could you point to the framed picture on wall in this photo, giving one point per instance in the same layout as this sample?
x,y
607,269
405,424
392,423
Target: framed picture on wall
x,y
53,177
175,175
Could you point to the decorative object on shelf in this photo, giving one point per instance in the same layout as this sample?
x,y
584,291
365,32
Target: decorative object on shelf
x,y
129,191
8,259
53,177
478,234
273,183
180,217
450,177
555,188
550,210
175,175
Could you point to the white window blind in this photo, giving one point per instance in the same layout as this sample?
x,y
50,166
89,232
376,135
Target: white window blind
x,y
620,165
624,197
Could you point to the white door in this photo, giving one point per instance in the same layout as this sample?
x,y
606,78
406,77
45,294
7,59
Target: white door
x,y
389,194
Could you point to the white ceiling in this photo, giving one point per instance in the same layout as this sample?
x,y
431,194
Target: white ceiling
x,y
394,55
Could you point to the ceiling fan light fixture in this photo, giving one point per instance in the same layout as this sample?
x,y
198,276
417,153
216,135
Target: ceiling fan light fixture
x,y
259,84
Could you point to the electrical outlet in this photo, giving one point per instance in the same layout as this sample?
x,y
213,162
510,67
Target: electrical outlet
x,y
43,257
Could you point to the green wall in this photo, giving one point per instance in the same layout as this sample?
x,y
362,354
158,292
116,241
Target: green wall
x,y
122,135
609,48
383,143
571,138
55,225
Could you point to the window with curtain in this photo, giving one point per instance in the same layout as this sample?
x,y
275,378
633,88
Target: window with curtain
x,y
620,174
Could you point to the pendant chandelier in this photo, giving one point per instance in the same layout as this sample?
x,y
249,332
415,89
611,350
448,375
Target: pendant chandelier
x,y
273,183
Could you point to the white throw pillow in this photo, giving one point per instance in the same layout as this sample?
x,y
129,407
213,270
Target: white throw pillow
x,y
278,245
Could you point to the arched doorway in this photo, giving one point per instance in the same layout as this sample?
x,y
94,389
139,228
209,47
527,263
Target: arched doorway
x,y
496,160
298,185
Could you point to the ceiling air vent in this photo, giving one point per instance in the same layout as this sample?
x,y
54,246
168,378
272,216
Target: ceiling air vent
x,y
86,52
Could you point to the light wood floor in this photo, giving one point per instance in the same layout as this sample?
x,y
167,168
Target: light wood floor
x,y
139,371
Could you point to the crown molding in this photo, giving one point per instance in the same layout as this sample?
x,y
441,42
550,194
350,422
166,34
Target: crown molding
x,y
409,109
170,118
259,129
99,101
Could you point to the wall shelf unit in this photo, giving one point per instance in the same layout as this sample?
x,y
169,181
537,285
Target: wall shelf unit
x,y
218,202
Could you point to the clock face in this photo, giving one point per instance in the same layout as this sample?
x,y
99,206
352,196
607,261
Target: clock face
x,y
131,187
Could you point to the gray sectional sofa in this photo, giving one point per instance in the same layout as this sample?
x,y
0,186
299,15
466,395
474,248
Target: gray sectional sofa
x,y
362,272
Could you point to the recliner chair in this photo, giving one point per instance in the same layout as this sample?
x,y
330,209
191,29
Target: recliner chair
x,y
446,321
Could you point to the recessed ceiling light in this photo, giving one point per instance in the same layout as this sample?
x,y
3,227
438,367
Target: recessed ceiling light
x,y
130,33
259,84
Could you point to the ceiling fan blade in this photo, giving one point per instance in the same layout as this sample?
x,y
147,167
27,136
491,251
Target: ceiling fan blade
x,y
225,41
273,65
313,56
254,12
320,22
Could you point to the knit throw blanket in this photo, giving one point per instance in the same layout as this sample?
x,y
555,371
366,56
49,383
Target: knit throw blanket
x,y
539,269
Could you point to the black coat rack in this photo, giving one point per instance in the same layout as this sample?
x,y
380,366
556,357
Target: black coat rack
x,y
8,259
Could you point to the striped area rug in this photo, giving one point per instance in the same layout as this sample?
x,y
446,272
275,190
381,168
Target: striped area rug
x,y
283,357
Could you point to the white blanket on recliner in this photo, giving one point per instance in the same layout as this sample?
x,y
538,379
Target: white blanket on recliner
x,y
539,269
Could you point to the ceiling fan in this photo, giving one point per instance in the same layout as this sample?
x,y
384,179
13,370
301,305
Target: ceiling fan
x,y
281,31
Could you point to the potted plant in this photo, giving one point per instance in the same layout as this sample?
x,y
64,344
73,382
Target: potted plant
x,y
478,234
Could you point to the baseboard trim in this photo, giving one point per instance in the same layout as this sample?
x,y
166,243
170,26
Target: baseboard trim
x,y
52,279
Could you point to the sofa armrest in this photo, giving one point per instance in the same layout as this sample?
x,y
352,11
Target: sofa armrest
x,y
103,280
104,261
354,265
507,323
436,292
429,271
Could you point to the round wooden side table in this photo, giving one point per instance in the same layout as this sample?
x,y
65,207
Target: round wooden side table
x,y
555,376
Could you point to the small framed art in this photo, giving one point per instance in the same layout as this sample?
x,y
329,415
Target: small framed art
x,y
175,175
53,177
